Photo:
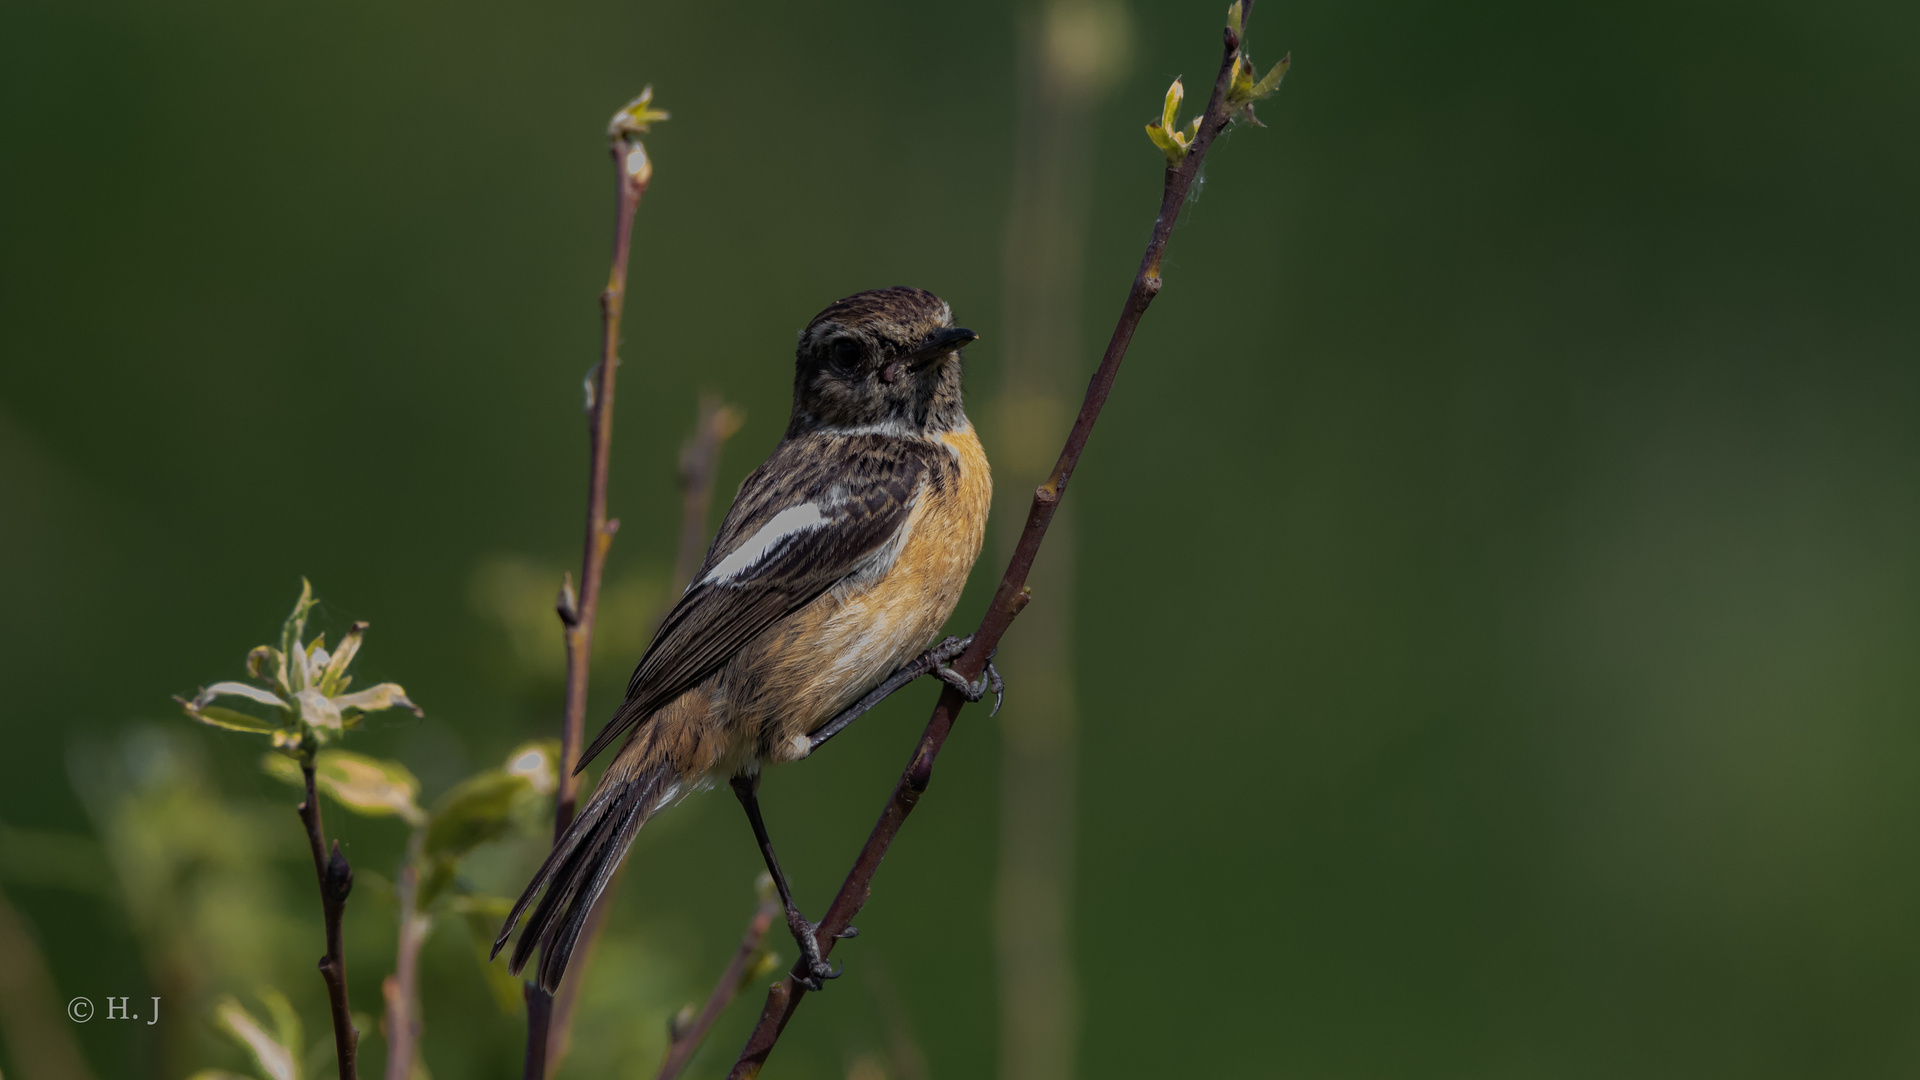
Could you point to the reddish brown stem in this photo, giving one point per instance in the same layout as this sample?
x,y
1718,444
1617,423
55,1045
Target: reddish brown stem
x,y
785,996
577,615
600,529
681,1050
539,1016
714,424
336,881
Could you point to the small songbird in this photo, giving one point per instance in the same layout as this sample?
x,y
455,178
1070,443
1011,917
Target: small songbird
x,y
840,559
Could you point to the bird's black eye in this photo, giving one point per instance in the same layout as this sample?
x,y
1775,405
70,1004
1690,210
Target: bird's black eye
x,y
844,353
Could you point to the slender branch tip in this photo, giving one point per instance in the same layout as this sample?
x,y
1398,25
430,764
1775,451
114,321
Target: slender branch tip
x,y
1185,148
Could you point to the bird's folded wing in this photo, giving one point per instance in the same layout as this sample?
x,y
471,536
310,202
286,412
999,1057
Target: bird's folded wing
x,y
819,510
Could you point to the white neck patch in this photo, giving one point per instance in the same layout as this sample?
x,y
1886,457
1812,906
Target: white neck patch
x,y
898,429
794,519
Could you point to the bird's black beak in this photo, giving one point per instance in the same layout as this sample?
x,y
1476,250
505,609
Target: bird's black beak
x,y
939,344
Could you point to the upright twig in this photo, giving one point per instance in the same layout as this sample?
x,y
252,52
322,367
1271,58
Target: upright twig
x,y
336,881
633,172
714,423
306,686
402,988
687,1040
577,614
1012,595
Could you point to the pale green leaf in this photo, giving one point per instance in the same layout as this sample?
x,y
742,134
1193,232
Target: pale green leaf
x,y
232,719
318,710
1171,141
265,662
333,678
282,768
1168,142
435,878
238,689
637,117
1241,84
367,785
375,698
478,809
317,657
1266,86
290,632
286,1022
274,1060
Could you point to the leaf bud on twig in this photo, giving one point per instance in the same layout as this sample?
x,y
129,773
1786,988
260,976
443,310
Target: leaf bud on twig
x,y
339,881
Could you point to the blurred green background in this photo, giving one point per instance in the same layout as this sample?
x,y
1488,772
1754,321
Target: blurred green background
x,y
1499,596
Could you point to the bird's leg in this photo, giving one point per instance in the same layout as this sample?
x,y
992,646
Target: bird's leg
x,y
812,969
932,662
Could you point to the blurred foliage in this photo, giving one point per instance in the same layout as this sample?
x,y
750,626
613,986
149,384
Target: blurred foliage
x,y
308,688
275,1049
516,595
198,875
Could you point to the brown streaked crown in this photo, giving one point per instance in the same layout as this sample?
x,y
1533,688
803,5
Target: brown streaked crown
x,y
880,359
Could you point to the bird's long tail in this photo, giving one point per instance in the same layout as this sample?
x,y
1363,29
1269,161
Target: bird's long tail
x,y
581,864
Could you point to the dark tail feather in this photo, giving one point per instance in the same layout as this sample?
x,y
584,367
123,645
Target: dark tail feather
x,y
577,871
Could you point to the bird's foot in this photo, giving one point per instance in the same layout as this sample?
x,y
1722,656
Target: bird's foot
x,y
812,970
934,661
976,689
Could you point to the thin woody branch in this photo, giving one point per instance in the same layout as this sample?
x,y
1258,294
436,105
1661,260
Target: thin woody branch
x,y
633,172
687,1041
306,684
578,621
401,989
784,997
336,881
714,423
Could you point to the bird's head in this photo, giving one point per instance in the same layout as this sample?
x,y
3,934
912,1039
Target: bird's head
x,y
885,360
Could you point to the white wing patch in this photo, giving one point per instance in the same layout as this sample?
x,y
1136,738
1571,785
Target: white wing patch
x,y
795,519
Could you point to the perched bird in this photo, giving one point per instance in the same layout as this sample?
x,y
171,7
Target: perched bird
x,y
840,559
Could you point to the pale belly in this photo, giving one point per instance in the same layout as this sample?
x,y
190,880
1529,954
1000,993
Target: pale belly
x,y
838,647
